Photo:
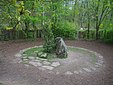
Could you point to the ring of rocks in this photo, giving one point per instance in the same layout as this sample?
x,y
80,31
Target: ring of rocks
x,y
85,61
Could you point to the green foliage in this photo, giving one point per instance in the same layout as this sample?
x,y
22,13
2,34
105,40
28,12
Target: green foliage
x,y
49,44
38,50
83,34
30,35
65,30
32,50
64,17
107,35
19,34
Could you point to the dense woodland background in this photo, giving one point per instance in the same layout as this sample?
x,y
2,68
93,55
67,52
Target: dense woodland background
x,y
70,19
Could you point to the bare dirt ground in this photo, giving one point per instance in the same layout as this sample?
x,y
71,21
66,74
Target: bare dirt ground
x,y
18,74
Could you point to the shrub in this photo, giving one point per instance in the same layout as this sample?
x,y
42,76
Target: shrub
x,y
83,34
108,35
65,30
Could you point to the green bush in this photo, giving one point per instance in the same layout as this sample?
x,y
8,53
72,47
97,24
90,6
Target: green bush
x,y
30,35
65,30
83,34
108,35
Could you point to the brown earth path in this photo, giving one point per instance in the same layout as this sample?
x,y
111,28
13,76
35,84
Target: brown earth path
x,y
18,74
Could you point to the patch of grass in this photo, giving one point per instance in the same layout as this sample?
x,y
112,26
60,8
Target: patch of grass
x,y
30,52
72,49
92,55
1,84
51,56
93,58
77,50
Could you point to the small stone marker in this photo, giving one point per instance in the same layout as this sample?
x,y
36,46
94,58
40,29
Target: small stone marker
x,y
99,64
80,71
55,64
18,55
100,61
68,73
20,61
26,65
40,53
25,59
39,64
57,72
35,63
48,67
46,63
44,55
76,72
101,57
36,60
87,70
96,65
32,58
40,68
93,68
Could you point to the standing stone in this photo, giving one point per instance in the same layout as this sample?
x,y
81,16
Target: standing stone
x,y
61,48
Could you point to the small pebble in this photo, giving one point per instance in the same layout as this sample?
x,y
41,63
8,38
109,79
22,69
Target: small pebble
x,y
55,64
87,70
68,73
76,72
93,68
48,67
101,57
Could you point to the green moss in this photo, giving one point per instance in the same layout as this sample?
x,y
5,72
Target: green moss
x,y
77,50
51,56
83,51
1,84
30,52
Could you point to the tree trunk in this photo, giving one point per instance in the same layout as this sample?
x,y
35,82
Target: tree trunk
x,y
97,34
88,30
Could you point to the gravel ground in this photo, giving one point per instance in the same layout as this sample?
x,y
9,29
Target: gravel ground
x,y
18,74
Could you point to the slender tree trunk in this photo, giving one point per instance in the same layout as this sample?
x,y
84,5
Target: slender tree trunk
x,y
35,34
88,24
97,19
88,29
97,32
